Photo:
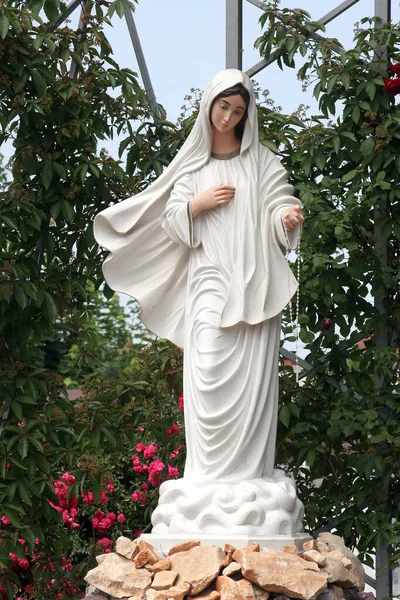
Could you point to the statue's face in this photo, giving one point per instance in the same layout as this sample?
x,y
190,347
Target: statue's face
x,y
226,112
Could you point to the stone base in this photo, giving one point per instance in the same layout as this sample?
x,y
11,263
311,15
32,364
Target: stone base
x,y
162,544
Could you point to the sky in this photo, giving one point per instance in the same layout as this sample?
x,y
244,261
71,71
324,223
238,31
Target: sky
x,y
184,45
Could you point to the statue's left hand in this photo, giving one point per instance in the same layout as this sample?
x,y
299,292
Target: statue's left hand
x,y
293,217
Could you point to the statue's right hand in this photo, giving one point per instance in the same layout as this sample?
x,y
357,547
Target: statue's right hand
x,y
212,198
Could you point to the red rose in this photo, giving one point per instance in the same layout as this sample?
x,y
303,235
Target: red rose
x,y
326,324
392,86
395,68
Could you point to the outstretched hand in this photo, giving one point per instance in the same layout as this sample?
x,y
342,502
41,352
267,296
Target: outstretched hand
x,y
212,198
293,217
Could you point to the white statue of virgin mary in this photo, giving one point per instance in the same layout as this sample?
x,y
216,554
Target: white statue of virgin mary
x,y
202,250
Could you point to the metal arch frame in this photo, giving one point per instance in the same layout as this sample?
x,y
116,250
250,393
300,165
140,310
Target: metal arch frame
x,y
383,583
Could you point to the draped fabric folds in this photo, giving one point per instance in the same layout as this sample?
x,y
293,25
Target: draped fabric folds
x,y
146,264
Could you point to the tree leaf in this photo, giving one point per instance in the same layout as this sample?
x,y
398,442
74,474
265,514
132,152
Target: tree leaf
x,y
346,79
49,308
320,160
39,83
284,415
46,175
356,114
51,11
20,296
23,492
68,211
59,169
367,146
4,25
370,88
17,409
349,176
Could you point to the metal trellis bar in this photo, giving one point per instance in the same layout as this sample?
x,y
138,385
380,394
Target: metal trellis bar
x,y
142,64
234,34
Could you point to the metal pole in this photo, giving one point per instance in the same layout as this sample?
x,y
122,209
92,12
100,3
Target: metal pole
x,y
383,573
137,46
81,26
65,14
234,34
337,11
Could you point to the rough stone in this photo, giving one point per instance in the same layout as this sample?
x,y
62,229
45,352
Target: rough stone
x,y
245,589
326,595
289,549
259,593
126,547
145,557
177,592
337,573
356,572
254,547
351,594
333,592
283,573
117,576
231,569
310,545
100,558
151,594
314,556
338,555
162,565
184,547
95,597
143,545
322,547
91,590
337,592
141,596
229,589
229,551
208,594
198,566
164,580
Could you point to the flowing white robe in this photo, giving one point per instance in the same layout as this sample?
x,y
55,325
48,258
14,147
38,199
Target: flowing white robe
x,y
230,373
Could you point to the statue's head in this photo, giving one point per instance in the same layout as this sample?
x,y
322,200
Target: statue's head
x,y
230,83
231,103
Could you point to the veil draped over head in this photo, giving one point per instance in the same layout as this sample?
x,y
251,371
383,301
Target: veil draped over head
x,y
147,265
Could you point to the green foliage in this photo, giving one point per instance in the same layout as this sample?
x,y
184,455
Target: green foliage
x,y
339,430
62,96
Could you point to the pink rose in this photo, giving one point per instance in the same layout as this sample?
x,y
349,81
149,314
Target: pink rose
x,y
174,430
70,479
150,451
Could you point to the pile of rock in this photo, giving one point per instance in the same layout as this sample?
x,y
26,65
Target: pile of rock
x,y
327,571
